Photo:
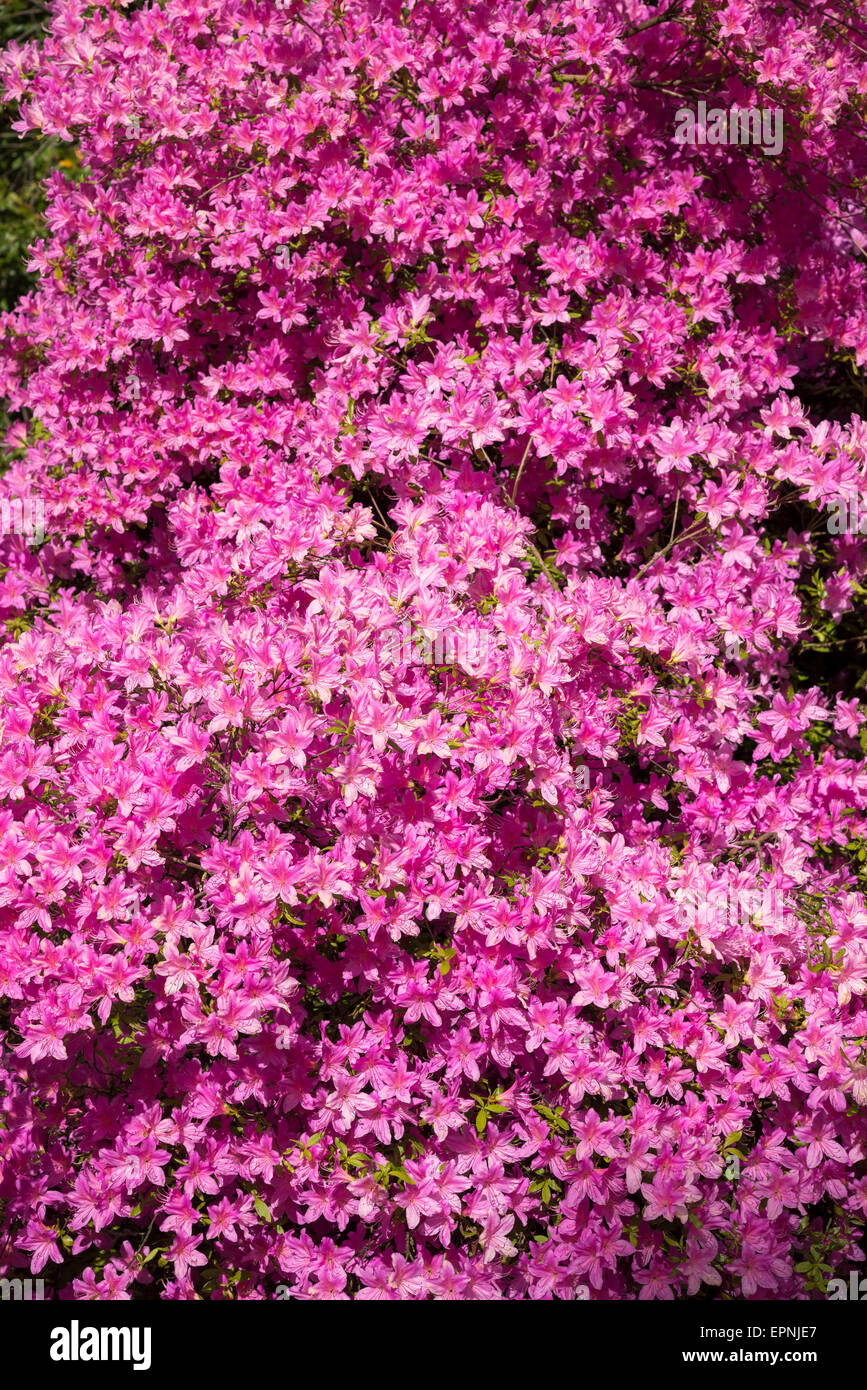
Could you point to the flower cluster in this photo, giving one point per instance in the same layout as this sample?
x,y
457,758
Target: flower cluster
x,y
336,973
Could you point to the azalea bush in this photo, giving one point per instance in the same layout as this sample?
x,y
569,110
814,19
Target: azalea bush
x,y
530,964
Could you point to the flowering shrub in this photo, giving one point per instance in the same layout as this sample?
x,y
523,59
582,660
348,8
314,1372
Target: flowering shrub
x,y
328,971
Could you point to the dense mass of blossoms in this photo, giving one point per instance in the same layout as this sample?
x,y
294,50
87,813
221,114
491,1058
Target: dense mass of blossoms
x,y
374,977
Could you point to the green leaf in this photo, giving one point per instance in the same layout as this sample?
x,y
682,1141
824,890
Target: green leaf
x,y
261,1209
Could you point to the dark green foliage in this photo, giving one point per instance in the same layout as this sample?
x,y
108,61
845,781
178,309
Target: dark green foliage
x,y
23,164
